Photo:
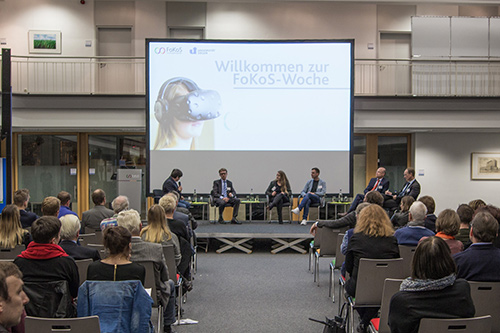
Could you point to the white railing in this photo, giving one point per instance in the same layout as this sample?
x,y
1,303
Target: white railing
x,y
381,77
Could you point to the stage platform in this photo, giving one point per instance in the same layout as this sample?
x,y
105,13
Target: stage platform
x,y
238,236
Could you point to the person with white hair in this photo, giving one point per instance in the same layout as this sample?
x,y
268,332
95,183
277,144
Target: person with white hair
x,y
70,230
415,229
119,204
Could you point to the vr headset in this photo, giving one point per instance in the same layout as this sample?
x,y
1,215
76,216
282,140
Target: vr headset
x,y
197,105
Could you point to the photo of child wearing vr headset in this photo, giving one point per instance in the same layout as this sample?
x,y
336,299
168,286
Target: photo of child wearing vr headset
x,y
181,110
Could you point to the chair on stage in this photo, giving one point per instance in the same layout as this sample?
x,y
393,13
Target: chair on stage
x,y
319,205
73,325
6,253
380,325
228,210
285,205
486,298
327,248
462,325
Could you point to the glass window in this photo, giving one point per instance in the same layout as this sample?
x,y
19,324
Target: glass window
x,y
110,153
393,154
47,164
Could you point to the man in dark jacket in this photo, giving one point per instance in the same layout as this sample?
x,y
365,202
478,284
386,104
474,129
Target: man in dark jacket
x,y
70,230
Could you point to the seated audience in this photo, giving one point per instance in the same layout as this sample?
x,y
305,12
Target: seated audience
x,y
12,298
495,212
184,216
481,261
432,291
21,199
465,213
117,266
157,231
44,260
279,192
51,206
70,230
92,218
145,251
447,226
348,220
430,218
400,217
476,204
65,209
11,231
119,204
373,238
414,230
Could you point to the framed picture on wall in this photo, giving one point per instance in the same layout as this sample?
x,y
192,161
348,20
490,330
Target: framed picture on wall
x,y
44,41
485,166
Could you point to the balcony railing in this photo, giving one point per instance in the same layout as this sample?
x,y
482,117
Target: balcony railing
x,y
373,77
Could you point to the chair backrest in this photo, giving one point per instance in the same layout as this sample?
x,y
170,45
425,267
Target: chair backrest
x,y
75,325
391,286
169,254
82,265
339,256
49,299
97,238
328,241
150,280
486,298
157,194
92,238
407,252
6,253
462,325
371,276
100,248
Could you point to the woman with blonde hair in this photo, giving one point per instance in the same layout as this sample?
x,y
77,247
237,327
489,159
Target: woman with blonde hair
x,y
373,238
11,231
157,231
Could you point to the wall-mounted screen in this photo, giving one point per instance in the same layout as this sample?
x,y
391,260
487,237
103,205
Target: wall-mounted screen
x,y
253,107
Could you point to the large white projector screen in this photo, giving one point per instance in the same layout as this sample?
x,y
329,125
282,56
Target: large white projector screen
x,y
253,107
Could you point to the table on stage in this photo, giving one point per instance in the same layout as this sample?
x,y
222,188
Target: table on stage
x,y
344,205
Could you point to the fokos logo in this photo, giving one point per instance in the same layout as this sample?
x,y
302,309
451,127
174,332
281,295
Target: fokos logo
x,y
168,50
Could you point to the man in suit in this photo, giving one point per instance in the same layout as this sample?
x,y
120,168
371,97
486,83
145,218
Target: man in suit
x,y
70,229
173,184
481,260
21,199
92,218
145,251
411,188
225,195
379,184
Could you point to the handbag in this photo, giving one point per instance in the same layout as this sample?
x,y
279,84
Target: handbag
x,y
335,325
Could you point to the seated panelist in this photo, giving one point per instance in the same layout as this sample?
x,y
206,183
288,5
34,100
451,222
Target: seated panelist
x,y
314,189
378,183
279,192
225,195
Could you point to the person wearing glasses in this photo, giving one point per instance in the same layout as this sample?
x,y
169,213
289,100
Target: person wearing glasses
x,y
224,195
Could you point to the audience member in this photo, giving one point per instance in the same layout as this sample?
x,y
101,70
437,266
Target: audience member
x,y
117,266
414,230
119,204
312,193
378,183
495,212
51,206
70,230
184,217
481,261
430,218
432,291
44,260
12,297
465,213
225,195
92,218
411,188
279,192
65,209
476,204
11,231
373,238
21,199
157,231
447,226
145,251
401,218
173,184
348,220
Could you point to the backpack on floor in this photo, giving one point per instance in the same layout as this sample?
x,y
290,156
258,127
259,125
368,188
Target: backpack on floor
x,y
335,325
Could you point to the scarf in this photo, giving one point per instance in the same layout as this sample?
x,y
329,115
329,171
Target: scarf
x,y
410,284
42,251
444,236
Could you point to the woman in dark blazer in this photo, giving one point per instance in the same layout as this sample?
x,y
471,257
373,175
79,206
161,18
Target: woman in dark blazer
x,y
279,192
